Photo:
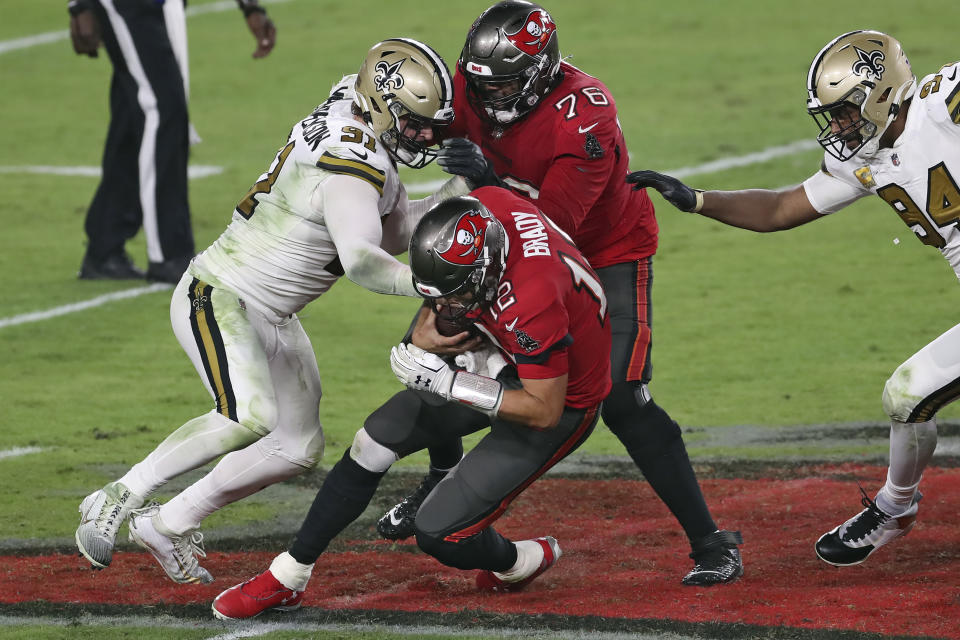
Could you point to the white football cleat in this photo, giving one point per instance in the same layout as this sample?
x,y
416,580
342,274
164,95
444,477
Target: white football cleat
x,y
101,514
176,554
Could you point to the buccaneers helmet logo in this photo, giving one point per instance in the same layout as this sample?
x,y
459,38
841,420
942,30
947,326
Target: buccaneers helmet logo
x,y
468,238
535,33
388,76
869,63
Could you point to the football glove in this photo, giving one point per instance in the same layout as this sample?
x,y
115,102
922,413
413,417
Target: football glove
x,y
421,370
424,371
460,157
673,191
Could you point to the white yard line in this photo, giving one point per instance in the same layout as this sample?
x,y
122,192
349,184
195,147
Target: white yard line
x,y
36,316
428,187
16,452
193,172
6,46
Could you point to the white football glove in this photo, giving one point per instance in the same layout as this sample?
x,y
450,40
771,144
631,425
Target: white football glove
x,y
424,371
421,370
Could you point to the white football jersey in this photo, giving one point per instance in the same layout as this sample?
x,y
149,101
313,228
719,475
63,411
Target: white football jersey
x,y
277,253
919,176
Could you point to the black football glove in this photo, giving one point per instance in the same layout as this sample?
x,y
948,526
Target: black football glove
x,y
461,157
675,192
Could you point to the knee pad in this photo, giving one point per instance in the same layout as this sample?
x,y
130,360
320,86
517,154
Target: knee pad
x,y
624,401
639,422
898,400
303,453
370,454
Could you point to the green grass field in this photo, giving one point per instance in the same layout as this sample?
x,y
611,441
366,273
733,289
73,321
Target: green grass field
x,y
773,330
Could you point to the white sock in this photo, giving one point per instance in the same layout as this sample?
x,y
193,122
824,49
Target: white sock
x,y
290,573
529,557
911,447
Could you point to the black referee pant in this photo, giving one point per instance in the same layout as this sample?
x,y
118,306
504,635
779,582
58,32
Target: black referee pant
x,y
144,180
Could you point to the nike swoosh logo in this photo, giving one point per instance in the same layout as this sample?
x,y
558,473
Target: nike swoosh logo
x,y
511,325
954,74
585,129
362,157
394,520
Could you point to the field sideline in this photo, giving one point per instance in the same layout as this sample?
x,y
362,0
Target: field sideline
x,y
770,350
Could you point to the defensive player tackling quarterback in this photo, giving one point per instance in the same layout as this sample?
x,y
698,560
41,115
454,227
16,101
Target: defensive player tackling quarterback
x,y
329,205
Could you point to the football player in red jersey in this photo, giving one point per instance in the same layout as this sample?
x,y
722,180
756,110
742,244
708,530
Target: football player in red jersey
x,y
498,262
549,132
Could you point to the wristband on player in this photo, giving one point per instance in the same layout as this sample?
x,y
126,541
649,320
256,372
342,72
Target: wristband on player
x,y
478,392
698,194
250,6
76,7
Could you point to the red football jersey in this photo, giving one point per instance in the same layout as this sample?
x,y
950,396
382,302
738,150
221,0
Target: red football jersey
x,y
550,315
568,157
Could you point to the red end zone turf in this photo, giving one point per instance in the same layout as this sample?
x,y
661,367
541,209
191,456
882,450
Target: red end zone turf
x,y
623,557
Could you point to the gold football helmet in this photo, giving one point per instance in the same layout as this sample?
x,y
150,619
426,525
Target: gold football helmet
x,y
855,88
405,94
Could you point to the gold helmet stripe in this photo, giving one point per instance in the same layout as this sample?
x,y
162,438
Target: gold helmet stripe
x,y
439,67
812,74
333,164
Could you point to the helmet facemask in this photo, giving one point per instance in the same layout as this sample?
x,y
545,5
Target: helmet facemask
x,y
847,140
505,99
401,140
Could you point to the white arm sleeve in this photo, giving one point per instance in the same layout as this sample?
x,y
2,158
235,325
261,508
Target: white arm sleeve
x,y
351,215
828,194
401,223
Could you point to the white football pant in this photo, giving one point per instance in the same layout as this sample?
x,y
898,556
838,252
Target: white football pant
x,y
266,386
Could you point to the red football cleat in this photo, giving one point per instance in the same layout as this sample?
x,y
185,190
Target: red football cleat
x,y
488,581
253,597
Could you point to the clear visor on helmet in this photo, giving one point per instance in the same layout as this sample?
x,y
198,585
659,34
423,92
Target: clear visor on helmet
x,y
414,139
843,129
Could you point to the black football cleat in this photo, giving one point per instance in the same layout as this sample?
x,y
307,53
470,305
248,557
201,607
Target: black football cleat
x,y
716,559
856,539
398,523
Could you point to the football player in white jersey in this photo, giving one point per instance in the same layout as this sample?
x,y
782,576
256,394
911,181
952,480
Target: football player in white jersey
x,y
885,134
329,205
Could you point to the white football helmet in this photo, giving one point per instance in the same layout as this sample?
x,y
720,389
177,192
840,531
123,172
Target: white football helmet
x,y
403,87
865,69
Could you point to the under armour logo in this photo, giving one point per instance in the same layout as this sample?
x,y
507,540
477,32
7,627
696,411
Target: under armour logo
x,y
388,76
869,63
423,382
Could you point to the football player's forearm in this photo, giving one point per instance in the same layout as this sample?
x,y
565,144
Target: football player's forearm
x,y
375,270
538,405
760,210
524,408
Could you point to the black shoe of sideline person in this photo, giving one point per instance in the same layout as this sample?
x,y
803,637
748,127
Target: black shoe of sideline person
x,y
169,270
116,267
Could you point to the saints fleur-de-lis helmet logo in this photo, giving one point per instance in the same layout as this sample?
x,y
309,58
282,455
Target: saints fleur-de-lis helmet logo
x,y
869,64
387,76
